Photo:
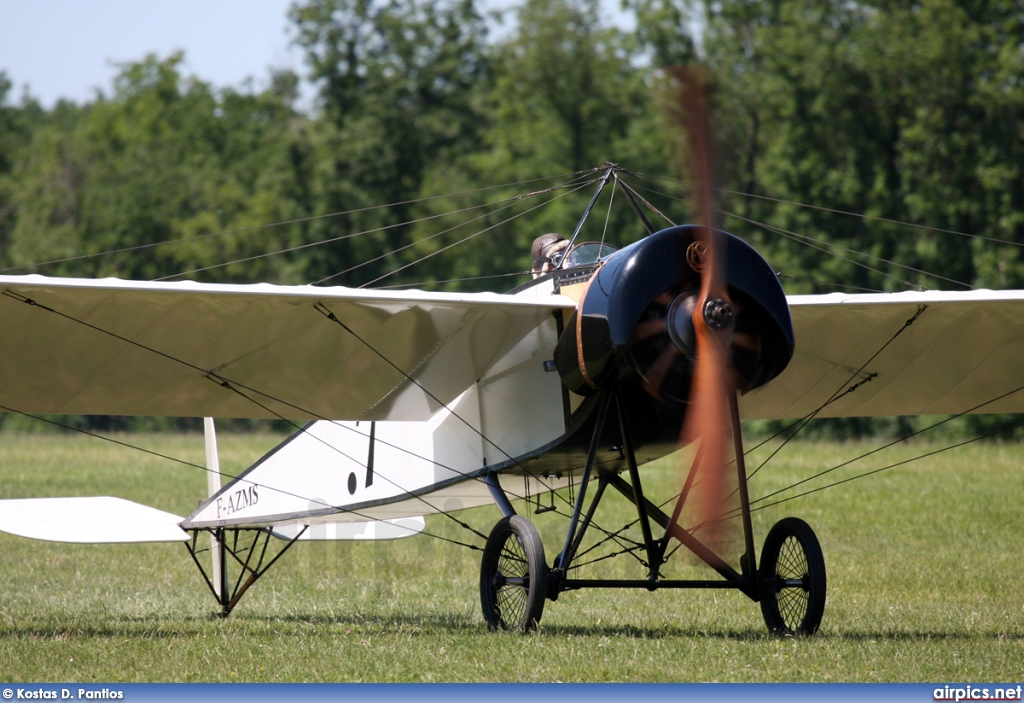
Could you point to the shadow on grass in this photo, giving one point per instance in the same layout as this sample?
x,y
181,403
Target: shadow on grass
x,y
652,632
150,627
448,622
919,636
170,627
174,627
759,634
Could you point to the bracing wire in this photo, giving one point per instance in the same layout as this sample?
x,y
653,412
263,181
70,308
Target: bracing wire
x,y
218,379
826,247
298,220
820,245
309,245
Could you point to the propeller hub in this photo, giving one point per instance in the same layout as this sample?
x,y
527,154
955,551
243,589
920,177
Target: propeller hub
x,y
719,314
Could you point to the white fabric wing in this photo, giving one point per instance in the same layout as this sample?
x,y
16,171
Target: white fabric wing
x,y
903,353
116,347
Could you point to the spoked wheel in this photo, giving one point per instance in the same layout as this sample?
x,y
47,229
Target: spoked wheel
x,y
792,577
513,576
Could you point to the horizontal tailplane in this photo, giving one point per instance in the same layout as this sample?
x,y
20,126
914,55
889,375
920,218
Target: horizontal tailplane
x,y
354,531
89,520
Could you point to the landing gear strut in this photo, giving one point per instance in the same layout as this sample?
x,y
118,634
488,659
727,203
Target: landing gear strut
x,y
515,579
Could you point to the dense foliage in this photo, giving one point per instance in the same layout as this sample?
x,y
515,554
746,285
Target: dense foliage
x,y
837,122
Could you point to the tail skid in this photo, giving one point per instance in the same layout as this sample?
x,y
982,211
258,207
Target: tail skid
x,y
238,555
242,552
247,552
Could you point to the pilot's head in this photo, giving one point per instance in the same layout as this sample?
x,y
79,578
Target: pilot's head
x,y
545,247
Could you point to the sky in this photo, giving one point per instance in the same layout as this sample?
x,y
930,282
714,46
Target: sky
x,y
69,48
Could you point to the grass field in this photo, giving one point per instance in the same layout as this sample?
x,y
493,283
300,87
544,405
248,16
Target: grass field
x,y
924,569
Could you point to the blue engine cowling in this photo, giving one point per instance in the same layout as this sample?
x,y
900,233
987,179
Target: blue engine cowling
x,y
633,323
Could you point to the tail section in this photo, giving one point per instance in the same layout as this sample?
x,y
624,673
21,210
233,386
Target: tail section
x,y
92,520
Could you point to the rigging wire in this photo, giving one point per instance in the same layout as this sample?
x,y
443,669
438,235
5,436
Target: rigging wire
x,y
231,385
310,245
797,426
873,218
570,187
824,284
821,245
848,213
895,442
471,236
957,445
635,194
845,388
802,239
392,226
421,284
298,220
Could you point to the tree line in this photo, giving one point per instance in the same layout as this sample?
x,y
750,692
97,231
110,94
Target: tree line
x,y
861,145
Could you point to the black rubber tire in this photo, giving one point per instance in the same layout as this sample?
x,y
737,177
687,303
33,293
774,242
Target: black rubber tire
x,y
513,576
792,579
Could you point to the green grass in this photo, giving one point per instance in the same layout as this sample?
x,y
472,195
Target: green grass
x,y
923,562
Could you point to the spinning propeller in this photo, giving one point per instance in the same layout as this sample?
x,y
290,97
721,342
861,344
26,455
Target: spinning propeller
x,y
677,322
667,330
713,317
687,338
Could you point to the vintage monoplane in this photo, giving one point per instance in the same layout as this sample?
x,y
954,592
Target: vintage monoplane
x,y
417,403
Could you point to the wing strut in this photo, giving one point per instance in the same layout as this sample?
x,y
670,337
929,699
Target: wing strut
x,y
744,580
